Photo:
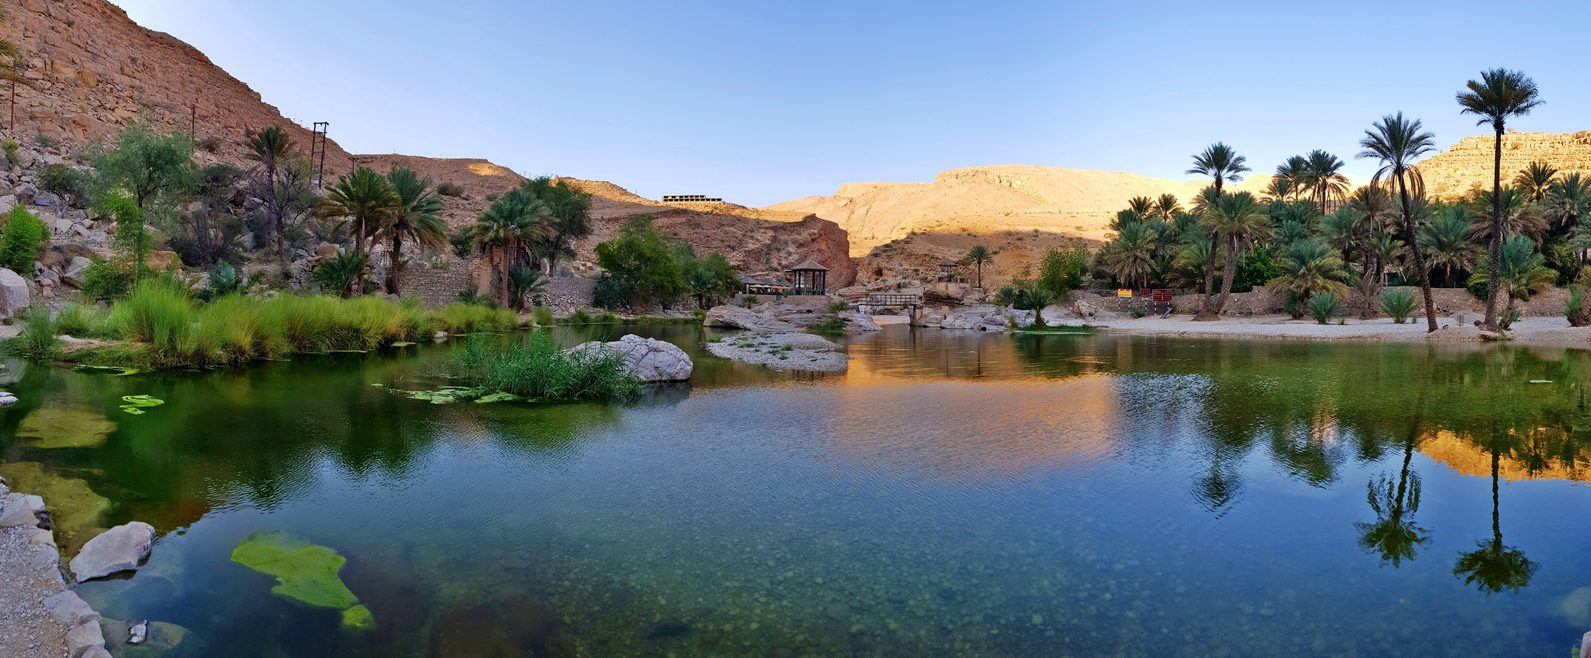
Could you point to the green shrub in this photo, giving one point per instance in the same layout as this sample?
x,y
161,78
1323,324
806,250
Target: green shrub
x,y
337,274
24,236
472,296
1575,308
462,318
1138,311
10,147
579,316
61,180
1399,304
1323,306
224,280
543,316
107,280
79,322
540,369
1294,306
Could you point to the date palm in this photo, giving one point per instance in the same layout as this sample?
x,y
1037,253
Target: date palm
x,y
1131,256
977,256
271,147
1340,230
1167,207
417,219
1238,219
1518,215
363,199
1396,142
507,225
1521,273
1445,241
1568,201
1142,205
1499,95
1308,266
1221,163
1536,179
1292,172
1324,178
1370,207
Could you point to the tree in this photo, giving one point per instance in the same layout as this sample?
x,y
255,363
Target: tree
x,y
272,147
132,238
1395,535
212,228
1521,273
1340,230
977,256
1323,175
1536,179
1512,211
568,217
524,281
1309,266
1167,207
1568,200
711,280
364,200
155,170
1499,95
1397,142
1141,205
416,218
1221,163
1063,270
1291,175
638,268
1130,257
1370,206
513,220
1239,219
1446,243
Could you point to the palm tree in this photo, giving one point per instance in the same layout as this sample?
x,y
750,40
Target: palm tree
x,y
1221,163
1446,243
1518,215
1536,179
513,219
1323,173
417,218
1522,273
977,256
1567,201
1370,207
569,217
1131,256
1397,142
1292,173
1167,207
1493,566
1142,205
1340,230
363,199
1240,219
271,147
1499,95
1308,266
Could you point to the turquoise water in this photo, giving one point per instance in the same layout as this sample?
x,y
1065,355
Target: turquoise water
x,y
952,494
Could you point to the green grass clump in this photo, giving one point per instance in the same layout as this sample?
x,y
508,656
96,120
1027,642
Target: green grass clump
x,y
465,318
40,336
1399,304
540,369
543,316
1323,306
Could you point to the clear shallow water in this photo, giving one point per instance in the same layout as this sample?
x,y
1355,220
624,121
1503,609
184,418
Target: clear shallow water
x,y
950,495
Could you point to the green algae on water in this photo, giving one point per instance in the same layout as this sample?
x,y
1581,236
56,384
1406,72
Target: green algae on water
x,y
135,404
358,618
304,572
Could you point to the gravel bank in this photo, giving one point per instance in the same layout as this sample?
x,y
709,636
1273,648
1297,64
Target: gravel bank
x,y
29,572
1544,331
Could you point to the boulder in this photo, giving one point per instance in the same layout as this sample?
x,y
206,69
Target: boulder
x,y
7,202
14,298
649,359
735,317
75,270
122,548
20,510
856,321
84,638
69,609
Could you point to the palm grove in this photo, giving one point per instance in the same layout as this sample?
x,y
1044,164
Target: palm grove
x,y
1314,238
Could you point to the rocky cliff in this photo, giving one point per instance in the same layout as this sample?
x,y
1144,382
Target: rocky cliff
x,y
1468,163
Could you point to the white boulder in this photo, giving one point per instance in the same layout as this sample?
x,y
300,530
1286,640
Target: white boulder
x,y
121,548
649,359
13,294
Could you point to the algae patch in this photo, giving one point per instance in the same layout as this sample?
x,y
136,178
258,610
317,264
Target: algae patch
x,y
65,427
304,572
136,404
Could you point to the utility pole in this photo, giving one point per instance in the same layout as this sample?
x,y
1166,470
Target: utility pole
x,y
193,121
317,141
12,126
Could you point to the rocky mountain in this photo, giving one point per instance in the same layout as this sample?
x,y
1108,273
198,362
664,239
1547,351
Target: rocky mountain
x,y
1468,163
92,70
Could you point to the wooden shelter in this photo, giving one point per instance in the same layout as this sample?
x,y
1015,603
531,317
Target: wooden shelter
x,y
809,278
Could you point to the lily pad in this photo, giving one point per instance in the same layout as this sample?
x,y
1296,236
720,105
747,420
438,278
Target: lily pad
x,y
447,394
304,572
135,404
65,427
358,618
403,343
1541,381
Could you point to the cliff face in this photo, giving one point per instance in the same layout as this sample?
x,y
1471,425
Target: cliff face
x,y
93,70
1468,163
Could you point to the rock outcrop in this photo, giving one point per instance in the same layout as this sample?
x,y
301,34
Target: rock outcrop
x,y
1467,164
650,360
14,295
736,317
122,548
782,351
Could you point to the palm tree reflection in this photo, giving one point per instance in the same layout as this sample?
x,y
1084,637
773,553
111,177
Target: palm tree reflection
x,y
1492,566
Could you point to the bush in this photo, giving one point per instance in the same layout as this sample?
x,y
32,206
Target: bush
x,y
24,236
639,268
10,147
209,144
1293,306
463,318
451,189
107,280
224,280
1576,309
543,316
540,369
64,181
1323,306
338,274
1399,304
79,322
39,339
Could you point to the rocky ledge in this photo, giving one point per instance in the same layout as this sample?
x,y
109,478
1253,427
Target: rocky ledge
x,y
782,351
41,617
650,360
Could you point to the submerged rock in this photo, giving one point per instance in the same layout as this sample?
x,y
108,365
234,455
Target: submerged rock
x,y
122,548
649,359
782,351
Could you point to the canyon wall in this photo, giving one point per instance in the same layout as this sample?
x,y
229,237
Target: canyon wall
x,y
1451,173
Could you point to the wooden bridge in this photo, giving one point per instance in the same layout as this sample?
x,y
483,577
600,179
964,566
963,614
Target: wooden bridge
x,y
892,299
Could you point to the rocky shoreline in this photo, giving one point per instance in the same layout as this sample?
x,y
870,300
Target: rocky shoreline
x,y
41,616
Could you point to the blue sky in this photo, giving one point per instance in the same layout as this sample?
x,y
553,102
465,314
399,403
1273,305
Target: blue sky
x,y
764,101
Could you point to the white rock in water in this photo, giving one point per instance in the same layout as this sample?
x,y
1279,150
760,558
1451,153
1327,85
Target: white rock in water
x,y
7,399
121,548
649,359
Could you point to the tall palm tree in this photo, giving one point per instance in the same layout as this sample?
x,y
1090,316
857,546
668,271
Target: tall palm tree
x,y
1326,180
1221,163
1446,243
1536,179
512,220
1340,230
1240,219
363,199
1499,95
271,147
1522,273
417,218
1167,207
977,256
1292,172
1370,206
1142,205
1568,200
1397,142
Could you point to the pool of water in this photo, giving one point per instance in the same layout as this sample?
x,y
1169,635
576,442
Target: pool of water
x,y
952,494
